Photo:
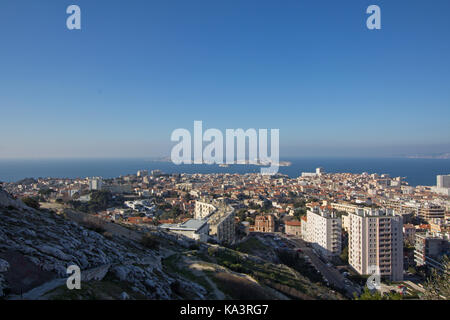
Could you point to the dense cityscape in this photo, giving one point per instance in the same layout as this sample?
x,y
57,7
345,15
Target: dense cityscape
x,y
224,159
340,225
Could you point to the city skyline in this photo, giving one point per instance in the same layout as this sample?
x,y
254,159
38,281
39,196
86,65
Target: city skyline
x,y
119,86
231,157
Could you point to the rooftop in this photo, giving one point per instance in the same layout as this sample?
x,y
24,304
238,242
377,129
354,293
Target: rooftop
x,y
190,225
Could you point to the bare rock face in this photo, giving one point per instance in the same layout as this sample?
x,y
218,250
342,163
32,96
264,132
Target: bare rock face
x,y
7,201
37,247
4,265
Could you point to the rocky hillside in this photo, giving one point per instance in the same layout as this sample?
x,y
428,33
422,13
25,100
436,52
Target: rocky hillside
x,y
36,247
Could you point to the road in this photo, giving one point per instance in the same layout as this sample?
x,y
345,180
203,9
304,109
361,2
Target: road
x,y
332,275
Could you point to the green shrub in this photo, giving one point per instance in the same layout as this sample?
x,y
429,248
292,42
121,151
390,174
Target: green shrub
x,y
212,251
150,241
32,203
94,224
194,246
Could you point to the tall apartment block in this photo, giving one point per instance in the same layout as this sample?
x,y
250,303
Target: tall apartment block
x,y
429,249
443,185
376,239
443,181
203,209
220,219
324,230
95,183
430,211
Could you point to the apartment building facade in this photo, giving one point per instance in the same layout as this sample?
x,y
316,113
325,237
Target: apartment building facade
x,y
95,183
376,240
203,209
324,231
221,224
304,228
409,233
219,217
429,249
429,211
293,228
344,206
265,223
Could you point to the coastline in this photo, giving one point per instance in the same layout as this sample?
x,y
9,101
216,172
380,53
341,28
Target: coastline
x,y
416,171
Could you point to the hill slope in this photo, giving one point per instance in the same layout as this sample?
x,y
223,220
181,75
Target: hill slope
x,y
37,246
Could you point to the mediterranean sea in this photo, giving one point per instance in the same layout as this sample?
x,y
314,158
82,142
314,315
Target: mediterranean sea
x,y
415,171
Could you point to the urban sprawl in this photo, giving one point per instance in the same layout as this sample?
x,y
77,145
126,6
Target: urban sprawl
x,y
343,223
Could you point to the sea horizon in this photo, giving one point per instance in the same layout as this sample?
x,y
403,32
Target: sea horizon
x,y
416,171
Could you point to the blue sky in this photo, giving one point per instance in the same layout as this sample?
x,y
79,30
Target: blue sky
x,y
140,69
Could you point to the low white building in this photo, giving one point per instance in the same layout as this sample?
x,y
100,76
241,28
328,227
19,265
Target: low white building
x,y
194,229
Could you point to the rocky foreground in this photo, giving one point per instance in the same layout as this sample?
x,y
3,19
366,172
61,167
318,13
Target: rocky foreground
x,y
37,247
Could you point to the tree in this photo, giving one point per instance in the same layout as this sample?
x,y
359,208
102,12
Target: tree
x,y
188,197
250,220
344,255
299,204
299,212
32,203
150,241
100,200
412,270
438,285
242,214
368,295
46,192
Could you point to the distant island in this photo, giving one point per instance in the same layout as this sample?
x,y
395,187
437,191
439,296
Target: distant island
x,y
242,162
445,155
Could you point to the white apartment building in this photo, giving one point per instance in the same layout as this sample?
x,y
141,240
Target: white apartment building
x,y
221,224
203,209
442,185
219,217
142,173
323,231
345,222
95,183
429,211
443,181
304,221
194,229
344,206
376,240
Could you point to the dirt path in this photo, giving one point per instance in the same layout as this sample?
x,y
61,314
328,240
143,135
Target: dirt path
x,y
198,269
37,293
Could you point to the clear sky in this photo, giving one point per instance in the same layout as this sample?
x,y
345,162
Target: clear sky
x,y
139,69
